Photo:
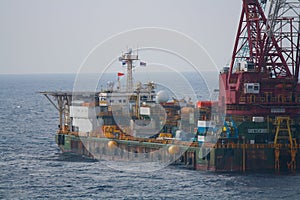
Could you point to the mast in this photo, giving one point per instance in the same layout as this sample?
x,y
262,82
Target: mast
x,y
128,58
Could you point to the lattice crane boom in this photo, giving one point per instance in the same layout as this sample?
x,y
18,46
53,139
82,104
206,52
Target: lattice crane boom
x,y
272,43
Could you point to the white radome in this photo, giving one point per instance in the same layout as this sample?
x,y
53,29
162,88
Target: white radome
x,y
162,96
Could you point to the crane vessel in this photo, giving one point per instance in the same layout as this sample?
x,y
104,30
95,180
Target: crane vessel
x,y
257,127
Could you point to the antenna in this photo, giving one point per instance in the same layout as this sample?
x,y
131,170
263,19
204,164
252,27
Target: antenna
x,y
128,58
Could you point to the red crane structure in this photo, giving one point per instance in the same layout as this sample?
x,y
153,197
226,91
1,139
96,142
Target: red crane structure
x,y
262,79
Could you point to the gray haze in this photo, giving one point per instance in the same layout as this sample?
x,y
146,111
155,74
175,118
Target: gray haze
x,y
55,36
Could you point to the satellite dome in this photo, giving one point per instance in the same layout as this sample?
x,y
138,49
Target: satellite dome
x,y
162,96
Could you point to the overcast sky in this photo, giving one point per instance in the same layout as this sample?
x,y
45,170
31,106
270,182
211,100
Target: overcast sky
x,y
55,36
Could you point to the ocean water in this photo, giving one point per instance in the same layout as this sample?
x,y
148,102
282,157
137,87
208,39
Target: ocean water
x,y
33,167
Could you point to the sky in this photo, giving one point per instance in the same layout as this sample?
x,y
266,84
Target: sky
x,y
56,36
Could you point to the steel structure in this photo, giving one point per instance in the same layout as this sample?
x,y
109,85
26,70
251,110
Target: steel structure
x,y
263,80
272,42
128,58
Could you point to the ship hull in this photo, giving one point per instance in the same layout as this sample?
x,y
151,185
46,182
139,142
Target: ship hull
x,y
218,158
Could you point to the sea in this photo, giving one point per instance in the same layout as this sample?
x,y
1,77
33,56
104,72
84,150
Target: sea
x,y
33,167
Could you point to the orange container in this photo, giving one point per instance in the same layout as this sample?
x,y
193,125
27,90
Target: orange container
x,y
201,104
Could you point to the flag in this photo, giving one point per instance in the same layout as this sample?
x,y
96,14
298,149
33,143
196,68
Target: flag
x,y
120,74
142,64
